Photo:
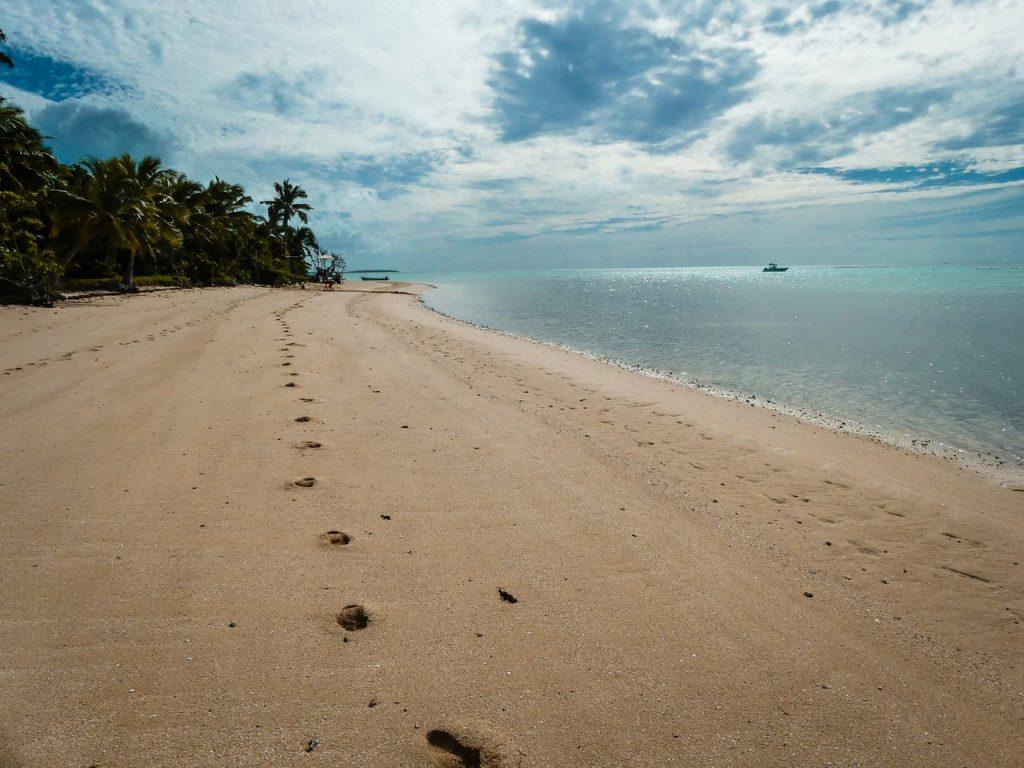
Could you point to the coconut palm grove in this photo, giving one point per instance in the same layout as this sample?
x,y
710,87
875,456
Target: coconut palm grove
x,y
121,222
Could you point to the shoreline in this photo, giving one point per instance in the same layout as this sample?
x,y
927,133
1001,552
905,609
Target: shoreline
x,y
245,524
1008,473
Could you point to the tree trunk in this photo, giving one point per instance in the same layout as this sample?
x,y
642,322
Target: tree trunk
x,y
129,281
71,256
58,281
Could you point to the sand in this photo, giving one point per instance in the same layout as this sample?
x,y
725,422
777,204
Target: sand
x,y
507,554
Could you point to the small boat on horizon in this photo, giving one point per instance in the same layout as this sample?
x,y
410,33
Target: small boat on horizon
x,y
368,277
773,267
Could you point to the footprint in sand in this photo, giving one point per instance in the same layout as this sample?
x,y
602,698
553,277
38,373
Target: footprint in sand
x,y
306,482
966,574
308,444
353,618
960,539
864,549
335,538
303,419
462,748
291,384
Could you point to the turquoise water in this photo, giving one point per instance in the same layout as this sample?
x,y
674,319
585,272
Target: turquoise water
x,y
926,353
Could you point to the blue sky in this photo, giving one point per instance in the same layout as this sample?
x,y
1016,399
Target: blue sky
x,y
462,134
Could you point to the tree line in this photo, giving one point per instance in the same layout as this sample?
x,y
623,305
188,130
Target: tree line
x,y
122,217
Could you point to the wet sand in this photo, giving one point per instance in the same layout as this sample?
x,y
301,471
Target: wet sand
x,y
498,553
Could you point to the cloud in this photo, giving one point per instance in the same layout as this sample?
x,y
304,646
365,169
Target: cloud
x,y
830,134
945,174
79,129
486,131
824,9
896,11
593,71
976,210
1002,127
349,242
388,175
779,21
785,20
281,94
495,184
388,171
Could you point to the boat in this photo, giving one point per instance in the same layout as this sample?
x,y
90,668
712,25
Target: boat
x,y
772,267
367,277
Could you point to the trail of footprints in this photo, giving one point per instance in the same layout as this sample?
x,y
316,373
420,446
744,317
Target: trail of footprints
x,y
450,748
352,617
168,331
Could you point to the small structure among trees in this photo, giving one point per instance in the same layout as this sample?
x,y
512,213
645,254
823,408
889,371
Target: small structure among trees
x,y
328,267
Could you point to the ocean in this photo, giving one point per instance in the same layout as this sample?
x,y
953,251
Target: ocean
x,y
929,357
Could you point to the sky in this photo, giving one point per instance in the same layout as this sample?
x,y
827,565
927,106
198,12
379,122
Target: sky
x,y
458,134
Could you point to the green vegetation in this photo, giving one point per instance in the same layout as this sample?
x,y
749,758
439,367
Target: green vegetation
x,y
106,222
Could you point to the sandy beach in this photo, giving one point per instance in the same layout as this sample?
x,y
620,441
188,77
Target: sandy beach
x,y
507,555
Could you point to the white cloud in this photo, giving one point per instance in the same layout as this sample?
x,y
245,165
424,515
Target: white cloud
x,y
321,90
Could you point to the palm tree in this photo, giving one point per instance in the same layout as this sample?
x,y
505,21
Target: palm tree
x,y
219,227
185,199
268,250
123,209
26,170
25,162
227,200
305,248
164,217
226,204
285,206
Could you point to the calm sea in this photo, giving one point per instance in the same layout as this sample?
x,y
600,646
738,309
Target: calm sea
x,y
927,353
